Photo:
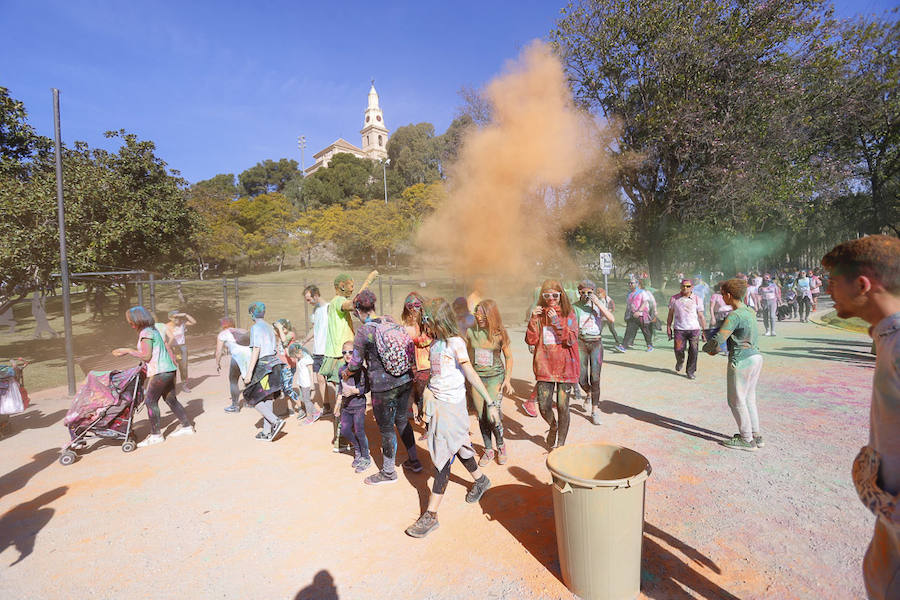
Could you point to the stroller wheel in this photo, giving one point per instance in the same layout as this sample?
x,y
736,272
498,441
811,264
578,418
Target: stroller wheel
x,y
128,446
67,458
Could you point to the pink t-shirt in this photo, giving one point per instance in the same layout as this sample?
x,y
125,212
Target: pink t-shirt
x,y
685,308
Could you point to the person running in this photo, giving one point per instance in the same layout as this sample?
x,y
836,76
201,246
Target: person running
x,y
864,282
769,298
486,340
686,324
284,337
390,393
175,329
412,321
340,330
804,293
591,312
160,370
263,379
235,342
319,336
637,316
351,410
740,332
448,428
610,305
553,331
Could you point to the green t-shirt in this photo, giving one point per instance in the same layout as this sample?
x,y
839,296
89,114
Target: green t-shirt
x,y
484,354
340,328
160,361
742,343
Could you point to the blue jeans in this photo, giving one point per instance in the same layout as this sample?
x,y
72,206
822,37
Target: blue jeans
x,y
353,424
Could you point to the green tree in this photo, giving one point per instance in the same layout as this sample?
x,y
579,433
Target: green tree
x,y
221,186
709,103
269,227
415,154
345,177
20,146
267,176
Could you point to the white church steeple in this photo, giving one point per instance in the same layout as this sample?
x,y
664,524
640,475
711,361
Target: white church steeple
x,y
374,133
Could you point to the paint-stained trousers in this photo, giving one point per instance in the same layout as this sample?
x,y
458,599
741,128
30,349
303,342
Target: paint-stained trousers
x,y
742,379
881,566
691,339
631,328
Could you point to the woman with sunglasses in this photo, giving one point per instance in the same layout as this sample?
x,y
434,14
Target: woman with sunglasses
x,y
486,340
553,331
412,321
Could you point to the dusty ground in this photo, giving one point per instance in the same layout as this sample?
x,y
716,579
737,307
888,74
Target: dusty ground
x,y
221,515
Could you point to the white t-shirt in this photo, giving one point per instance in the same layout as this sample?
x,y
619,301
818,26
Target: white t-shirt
x,y
685,312
447,383
240,354
320,329
303,363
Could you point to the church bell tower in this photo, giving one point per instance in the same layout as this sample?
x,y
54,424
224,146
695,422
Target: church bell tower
x,y
374,133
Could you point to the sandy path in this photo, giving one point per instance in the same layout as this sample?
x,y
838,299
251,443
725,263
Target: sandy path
x,y
221,515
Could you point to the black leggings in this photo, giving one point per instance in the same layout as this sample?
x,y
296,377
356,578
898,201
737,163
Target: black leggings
x,y
162,385
234,376
442,476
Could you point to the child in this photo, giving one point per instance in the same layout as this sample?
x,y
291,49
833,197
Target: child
x,y
284,334
304,372
352,409
445,410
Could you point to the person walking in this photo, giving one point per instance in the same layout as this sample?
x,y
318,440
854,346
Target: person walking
x,y
412,320
448,428
390,392
553,331
590,313
234,341
176,328
770,298
39,312
864,282
160,370
740,332
318,335
486,340
263,379
686,324
610,305
804,293
637,316
352,410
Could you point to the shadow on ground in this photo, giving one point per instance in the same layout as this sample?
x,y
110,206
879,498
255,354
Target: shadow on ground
x,y
321,588
609,406
20,476
20,525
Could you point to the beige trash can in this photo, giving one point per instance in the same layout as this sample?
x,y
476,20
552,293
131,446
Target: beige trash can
x,y
598,507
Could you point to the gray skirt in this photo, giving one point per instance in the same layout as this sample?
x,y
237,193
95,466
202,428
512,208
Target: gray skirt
x,y
448,433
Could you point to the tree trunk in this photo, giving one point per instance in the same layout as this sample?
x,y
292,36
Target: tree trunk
x,y
281,261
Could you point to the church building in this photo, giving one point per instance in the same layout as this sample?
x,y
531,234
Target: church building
x,y
374,138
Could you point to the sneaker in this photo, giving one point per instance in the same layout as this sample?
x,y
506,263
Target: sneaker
x,y
326,410
595,417
340,449
151,439
189,430
261,435
759,441
774,334
738,443
363,465
301,414
691,376
380,478
423,526
278,427
413,465
501,455
678,365
530,408
312,418
551,438
185,388
620,349
234,408
355,461
486,458
649,348
478,489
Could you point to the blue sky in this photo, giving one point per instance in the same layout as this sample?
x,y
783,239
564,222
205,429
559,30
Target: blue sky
x,y
219,86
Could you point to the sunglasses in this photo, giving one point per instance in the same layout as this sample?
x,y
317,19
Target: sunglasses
x,y
346,352
550,295
686,285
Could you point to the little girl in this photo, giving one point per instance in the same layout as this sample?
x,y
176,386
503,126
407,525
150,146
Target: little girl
x,y
303,369
352,409
445,410
284,335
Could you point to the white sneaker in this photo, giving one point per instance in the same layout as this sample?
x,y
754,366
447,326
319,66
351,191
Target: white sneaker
x,y
151,439
182,430
185,388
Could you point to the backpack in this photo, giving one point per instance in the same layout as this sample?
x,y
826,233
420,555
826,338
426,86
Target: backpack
x,y
395,347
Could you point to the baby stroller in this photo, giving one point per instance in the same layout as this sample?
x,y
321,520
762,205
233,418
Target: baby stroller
x,y
784,312
104,408
13,396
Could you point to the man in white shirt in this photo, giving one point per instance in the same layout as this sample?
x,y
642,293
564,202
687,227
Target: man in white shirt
x,y
686,314
318,334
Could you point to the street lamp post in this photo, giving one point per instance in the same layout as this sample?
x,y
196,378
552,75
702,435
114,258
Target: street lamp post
x,y
301,143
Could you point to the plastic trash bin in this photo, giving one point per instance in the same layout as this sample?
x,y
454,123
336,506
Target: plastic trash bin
x,y
598,507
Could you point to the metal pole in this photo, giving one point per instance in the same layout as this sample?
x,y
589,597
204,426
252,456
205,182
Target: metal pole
x,y
237,303
152,294
225,295
305,308
381,293
140,291
605,284
63,259
391,291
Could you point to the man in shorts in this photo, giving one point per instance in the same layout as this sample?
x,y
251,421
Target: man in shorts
x,y
864,282
318,335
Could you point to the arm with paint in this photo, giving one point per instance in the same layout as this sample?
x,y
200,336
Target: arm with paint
x,y
533,333
507,368
251,364
144,352
568,330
